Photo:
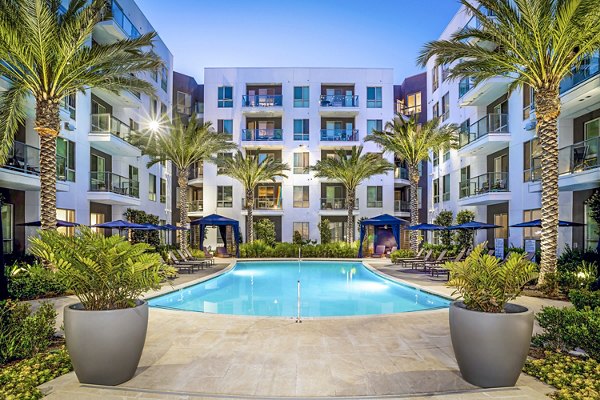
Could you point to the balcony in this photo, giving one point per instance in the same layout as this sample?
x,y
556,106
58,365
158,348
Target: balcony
x,y
262,100
476,23
336,204
339,135
579,91
110,188
338,105
195,208
487,135
262,135
484,92
196,175
265,203
110,135
579,165
22,169
401,175
485,189
402,207
116,26
123,98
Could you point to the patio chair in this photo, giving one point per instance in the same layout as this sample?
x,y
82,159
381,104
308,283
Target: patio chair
x,y
579,157
379,252
419,253
180,266
438,268
222,252
184,258
415,261
207,257
437,261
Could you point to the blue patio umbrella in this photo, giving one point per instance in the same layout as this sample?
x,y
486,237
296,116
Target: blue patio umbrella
x,y
426,227
120,225
154,227
473,225
170,227
537,223
59,223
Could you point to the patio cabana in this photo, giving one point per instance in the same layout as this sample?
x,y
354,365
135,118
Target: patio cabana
x,y
222,223
383,220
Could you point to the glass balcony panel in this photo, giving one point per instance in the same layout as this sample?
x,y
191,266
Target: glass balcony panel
x,y
196,205
579,157
262,135
23,158
262,100
339,100
102,123
343,135
485,183
491,123
114,183
401,206
400,173
589,68
265,203
336,203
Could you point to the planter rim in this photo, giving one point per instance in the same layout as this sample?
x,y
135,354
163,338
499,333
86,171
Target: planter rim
x,y
78,307
519,309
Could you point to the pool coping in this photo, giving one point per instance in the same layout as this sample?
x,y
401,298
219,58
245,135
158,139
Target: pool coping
x,y
167,290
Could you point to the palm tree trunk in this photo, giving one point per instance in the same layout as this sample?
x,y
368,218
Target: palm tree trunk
x,y
182,182
547,112
413,174
350,200
250,209
47,125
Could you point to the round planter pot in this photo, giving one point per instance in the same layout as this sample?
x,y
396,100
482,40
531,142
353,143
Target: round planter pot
x,y
490,348
105,346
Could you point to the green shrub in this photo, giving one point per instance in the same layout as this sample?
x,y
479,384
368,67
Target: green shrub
x,y
197,253
444,218
26,282
569,328
451,250
464,237
402,253
285,250
575,378
24,333
151,237
260,249
325,231
264,229
584,298
582,277
19,381
569,264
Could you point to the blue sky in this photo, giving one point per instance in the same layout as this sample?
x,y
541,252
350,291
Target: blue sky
x,y
303,33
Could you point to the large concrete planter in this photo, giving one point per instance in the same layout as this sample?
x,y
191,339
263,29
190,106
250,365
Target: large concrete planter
x,y
105,346
490,348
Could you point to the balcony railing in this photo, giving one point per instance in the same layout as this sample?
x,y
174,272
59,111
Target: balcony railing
x,y
103,123
121,19
23,158
196,205
195,172
339,100
579,157
401,206
485,183
374,203
336,203
262,135
589,68
342,135
265,203
491,123
407,111
262,100
110,182
400,173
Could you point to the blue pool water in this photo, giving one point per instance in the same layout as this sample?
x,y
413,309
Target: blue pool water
x,y
327,289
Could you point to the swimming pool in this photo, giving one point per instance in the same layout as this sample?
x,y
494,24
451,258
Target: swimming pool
x,y
328,289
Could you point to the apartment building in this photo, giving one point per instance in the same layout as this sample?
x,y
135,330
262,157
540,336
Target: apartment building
x,y
100,174
297,115
496,171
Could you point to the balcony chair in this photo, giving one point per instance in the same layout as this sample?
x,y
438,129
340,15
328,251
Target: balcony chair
x,y
579,158
485,188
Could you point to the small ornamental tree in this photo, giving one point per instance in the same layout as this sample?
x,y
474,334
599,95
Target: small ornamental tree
x,y
142,217
464,237
265,230
594,204
444,218
325,231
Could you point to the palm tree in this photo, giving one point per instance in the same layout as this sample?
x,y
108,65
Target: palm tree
x,y
351,168
249,171
45,55
411,142
183,144
537,43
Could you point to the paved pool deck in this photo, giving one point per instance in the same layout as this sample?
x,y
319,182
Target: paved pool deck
x,y
192,355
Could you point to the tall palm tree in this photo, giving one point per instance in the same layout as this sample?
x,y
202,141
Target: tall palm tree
x,y
537,43
45,55
183,144
249,171
351,168
411,142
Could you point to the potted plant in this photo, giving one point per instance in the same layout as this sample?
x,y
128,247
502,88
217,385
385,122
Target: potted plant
x,y
490,336
106,330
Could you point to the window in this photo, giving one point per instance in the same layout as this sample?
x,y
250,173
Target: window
x,y
65,160
301,131
163,190
302,229
151,187
69,103
528,101
464,136
374,97
134,184
532,160
464,85
436,110
66,215
221,156
225,196
413,104
184,103
446,106
445,71
530,215
465,184
154,74
225,126
301,96
7,227
436,158
592,130
502,221
591,229
420,196
97,218
374,125
164,80
338,231
301,199
163,109
446,155
436,190
435,82
225,97
446,187
374,196
301,163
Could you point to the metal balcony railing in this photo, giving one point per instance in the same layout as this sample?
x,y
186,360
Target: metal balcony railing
x,y
106,123
589,68
262,100
195,172
401,206
23,158
374,203
118,15
265,203
484,183
491,123
110,182
579,157
338,100
400,173
342,135
262,135
336,203
196,205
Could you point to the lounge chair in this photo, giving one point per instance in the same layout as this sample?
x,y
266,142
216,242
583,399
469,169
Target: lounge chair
x,y
185,259
399,260
438,268
415,261
379,252
179,265
222,252
437,261
209,260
